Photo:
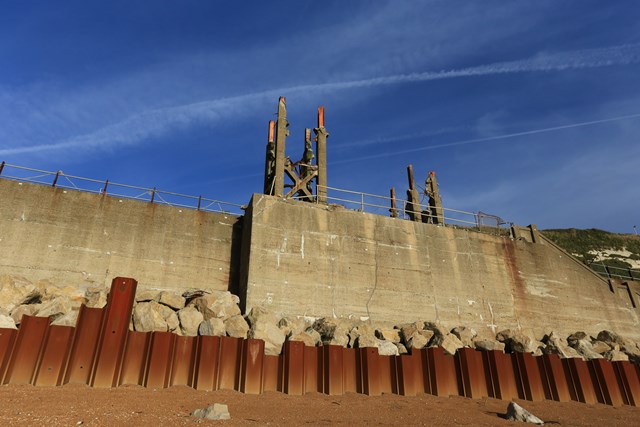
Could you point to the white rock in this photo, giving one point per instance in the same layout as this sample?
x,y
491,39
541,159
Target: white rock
x,y
7,322
217,411
24,310
147,317
212,327
57,307
236,326
68,319
171,300
190,320
516,412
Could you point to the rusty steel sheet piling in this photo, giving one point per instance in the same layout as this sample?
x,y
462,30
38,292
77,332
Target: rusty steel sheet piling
x,y
101,351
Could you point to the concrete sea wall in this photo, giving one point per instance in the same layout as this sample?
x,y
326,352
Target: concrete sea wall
x,y
73,238
306,259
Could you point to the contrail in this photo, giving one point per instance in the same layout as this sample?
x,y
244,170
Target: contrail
x,y
142,126
493,138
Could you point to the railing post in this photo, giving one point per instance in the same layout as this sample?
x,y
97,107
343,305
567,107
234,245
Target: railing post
x,y
1,167
393,210
55,180
199,201
153,194
606,269
104,189
362,202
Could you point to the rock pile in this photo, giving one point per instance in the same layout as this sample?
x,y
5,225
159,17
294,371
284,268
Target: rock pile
x,y
217,313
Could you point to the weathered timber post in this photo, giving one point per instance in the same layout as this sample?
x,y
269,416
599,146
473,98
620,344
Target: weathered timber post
x,y
394,209
281,135
435,201
270,159
321,162
413,199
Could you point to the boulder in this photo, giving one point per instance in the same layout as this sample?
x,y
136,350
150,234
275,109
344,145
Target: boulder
x,y
272,336
236,326
217,411
56,307
388,334
220,304
610,338
333,331
68,319
583,347
600,347
439,333
632,350
305,338
96,297
145,295
515,341
419,339
387,348
212,327
170,316
465,335
172,300
407,330
488,345
573,339
362,336
450,344
616,356
148,317
73,295
190,320
516,412
261,314
292,325
15,291
24,309
401,348
555,344
7,322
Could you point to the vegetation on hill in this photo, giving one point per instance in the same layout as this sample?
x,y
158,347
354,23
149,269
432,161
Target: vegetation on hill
x,y
597,248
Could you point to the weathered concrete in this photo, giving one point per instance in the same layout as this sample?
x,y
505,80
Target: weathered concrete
x,y
306,259
74,238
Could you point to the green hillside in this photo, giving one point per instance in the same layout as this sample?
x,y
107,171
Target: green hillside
x,y
621,252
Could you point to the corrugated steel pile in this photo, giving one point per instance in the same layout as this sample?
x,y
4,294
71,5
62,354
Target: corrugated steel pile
x,y
101,351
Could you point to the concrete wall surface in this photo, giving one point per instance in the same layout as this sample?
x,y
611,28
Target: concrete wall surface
x,y
306,259
74,238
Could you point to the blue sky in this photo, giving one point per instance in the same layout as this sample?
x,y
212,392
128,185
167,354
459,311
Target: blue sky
x,y
525,109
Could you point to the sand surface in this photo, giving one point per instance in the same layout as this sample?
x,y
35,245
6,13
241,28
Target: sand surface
x,y
72,405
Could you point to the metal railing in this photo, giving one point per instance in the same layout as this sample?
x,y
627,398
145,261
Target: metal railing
x,y
381,205
611,272
107,188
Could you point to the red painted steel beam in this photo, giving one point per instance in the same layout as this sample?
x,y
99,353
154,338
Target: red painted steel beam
x,y
582,382
27,350
530,377
442,373
160,357
333,370
629,375
230,360
272,373
371,371
252,366
55,355
607,382
294,368
7,340
85,342
503,375
207,362
313,370
134,362
472,369
113,335
183,361
351,370
558,378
